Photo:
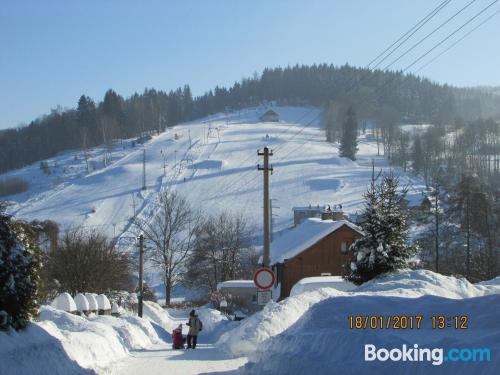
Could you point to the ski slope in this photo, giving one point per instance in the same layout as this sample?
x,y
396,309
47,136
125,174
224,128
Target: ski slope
x,y
212,162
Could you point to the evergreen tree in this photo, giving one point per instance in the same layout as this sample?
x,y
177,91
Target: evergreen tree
x,y
384,248
349,143
19,274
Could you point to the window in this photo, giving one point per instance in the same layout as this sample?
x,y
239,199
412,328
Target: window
x,y
344,247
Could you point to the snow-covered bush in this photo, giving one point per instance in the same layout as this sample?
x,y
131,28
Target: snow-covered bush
x,y
103,304
64,302
82,303
19,274
92,302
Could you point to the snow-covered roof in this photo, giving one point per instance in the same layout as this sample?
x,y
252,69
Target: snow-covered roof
x,y
82,303
103,302
236,284
304,236
65,302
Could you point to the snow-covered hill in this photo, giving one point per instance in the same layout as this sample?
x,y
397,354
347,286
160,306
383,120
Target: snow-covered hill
x,y
218,172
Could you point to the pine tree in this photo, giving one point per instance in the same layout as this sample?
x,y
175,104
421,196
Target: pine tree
x,y
19,274
417,155
349,143
384,248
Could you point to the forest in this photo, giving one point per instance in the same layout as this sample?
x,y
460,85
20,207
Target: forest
x,y
382,96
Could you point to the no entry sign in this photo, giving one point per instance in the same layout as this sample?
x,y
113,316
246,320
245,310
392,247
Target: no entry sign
x,y
264,278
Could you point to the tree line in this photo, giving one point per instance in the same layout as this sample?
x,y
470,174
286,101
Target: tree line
x,y
383,96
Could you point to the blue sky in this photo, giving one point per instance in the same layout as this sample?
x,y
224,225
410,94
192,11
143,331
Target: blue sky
x,y
52,51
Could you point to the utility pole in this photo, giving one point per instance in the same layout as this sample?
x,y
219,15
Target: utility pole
x,y
133,204
266,169
144,169
190,144
141,270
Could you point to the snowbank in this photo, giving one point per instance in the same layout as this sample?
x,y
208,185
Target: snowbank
x,y
277,317
63,343
313,283
35,351
65,302
322,340
272,320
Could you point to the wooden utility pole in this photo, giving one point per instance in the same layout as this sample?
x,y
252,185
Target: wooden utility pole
x,y
141,270
266,169
144,170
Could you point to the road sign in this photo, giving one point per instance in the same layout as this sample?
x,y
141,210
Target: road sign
x,y
264,278
263,297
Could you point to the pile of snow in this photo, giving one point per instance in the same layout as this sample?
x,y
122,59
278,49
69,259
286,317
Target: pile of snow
x,y
63,343
155,313
272,320
35,351
322,340
214,323
103,302
64,302
82,304
308,284
277,317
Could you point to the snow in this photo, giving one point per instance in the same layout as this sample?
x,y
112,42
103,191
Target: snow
x,y
216,175
322,340
92,302
64,302
236,284
275,318
82,304
304,236
103,302
317,282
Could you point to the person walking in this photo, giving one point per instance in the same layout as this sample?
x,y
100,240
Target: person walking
x,y
195,326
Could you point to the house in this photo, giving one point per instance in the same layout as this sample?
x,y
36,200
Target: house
x,y
270,116
425,204
241,294
314,248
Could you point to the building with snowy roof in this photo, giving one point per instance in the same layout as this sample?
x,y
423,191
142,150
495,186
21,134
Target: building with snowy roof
x,y
270,116
314,248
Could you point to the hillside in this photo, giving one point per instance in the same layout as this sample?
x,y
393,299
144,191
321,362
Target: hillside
x,y
217,173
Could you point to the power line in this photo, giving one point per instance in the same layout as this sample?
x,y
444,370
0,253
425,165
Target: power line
x,y
429,34
409,33
456,42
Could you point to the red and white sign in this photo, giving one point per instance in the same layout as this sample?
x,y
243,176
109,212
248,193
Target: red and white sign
x,y
264,278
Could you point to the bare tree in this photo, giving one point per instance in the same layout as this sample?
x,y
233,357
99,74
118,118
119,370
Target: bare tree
x,y
86,261
169,236
221,252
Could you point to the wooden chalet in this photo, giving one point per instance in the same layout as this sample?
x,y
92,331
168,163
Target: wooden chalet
x,y
314,248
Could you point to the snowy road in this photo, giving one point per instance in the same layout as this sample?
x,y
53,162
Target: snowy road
x,y
162,359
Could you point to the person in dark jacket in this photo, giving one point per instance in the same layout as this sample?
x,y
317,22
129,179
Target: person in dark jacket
x,y
195,326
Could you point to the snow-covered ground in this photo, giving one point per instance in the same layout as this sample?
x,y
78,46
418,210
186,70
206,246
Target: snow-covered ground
x,y
303,334
217,173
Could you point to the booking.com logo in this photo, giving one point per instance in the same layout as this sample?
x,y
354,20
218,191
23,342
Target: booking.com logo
x,y
436,355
